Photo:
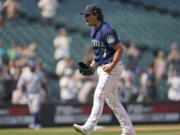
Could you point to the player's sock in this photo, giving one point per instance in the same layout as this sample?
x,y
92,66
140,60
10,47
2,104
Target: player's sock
x,y
36,118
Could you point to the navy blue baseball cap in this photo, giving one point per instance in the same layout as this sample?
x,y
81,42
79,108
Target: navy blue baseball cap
x,y
31,64
92,9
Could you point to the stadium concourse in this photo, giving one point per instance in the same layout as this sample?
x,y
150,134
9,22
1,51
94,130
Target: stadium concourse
x,y
57,41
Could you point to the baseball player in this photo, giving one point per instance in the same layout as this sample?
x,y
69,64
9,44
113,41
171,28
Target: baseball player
x,y
32,82
107,54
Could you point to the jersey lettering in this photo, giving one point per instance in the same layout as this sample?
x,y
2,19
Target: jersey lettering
x,y
97,43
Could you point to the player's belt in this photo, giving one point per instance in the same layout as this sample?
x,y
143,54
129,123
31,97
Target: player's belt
x,y
119,63
103,64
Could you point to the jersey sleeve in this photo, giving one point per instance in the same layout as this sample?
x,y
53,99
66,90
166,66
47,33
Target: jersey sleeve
x,y
21,81
110,37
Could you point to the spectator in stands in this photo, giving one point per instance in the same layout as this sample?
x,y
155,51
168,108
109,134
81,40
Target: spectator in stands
x,y
3,54
9,74
143,87
62,45
174,89
160,65
62,65
11,53
151,84
68,90
133,55
22,53
48,10
12,8
15,71
173,59
18,49
128,90
1,64
44,95
21,56
28,51
86,86
2,92
7,81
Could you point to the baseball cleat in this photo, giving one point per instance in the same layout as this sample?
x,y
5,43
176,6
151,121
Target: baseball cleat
x,y
37,127
129,133
31,125
81,129
98,128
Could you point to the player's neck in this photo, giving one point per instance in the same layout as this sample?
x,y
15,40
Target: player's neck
x,y
98,24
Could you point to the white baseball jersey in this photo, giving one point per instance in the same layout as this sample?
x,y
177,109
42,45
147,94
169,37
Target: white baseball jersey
x,y
33,83
31,80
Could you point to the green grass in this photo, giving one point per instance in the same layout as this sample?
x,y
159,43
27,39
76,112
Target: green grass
x,y
70,131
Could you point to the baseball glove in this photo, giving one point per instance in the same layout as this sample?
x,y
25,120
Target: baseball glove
x,y
85,69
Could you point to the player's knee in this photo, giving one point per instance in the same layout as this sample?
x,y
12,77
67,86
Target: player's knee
x,y
113,105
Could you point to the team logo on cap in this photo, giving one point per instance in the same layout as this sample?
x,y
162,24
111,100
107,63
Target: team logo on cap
x,y
110,39
87,8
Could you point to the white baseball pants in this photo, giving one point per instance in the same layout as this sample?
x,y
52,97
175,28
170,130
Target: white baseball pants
x,y
106,90
34,102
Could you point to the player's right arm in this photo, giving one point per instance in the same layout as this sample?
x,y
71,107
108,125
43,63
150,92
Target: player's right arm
x,y
21,82
117,56
15,97
93,63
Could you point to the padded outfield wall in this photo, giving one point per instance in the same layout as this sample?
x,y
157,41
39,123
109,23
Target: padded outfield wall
x,y
68,114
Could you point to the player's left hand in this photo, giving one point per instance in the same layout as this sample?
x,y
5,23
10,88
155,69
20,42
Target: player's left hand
x,y
107,68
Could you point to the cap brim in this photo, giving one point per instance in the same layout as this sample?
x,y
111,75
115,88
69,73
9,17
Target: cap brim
x,y
86,13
